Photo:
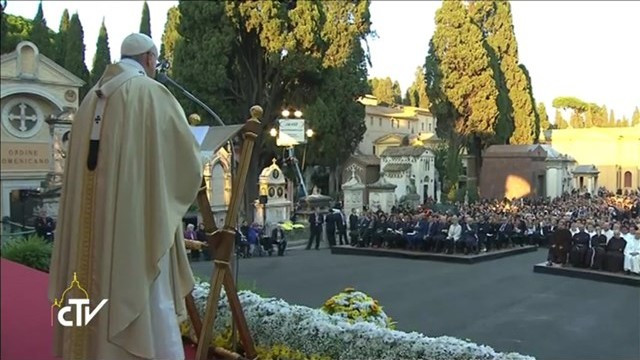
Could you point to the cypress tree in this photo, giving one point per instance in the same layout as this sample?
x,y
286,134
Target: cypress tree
x,y
40,35
635,118
495,20
61,45
464,73
145,21
102,57
171,36
561,123
417,92
544,117
74,54
612,119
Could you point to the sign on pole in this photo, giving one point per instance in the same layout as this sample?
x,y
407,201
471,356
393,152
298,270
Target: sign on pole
x,y
291,132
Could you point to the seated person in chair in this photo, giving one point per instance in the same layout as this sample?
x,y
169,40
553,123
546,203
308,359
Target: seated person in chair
x,y
559,246
469,238
579,247
453,236
279,239
614,253
632,254
595,255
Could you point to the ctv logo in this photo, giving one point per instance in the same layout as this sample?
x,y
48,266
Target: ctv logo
x,y
82,311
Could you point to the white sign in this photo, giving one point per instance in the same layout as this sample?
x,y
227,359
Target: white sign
x,y
291,132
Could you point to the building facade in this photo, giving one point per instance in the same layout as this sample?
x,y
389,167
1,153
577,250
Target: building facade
x,y
615,152
412,170
37,101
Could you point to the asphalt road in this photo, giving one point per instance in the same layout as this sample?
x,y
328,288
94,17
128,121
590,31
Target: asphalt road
x,y
500,303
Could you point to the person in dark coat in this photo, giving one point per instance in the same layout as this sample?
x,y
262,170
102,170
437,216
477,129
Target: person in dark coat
x,y
330,227
505,231
614,253
315,228
341,225
278,238
560,245
353,227
595,255
579,246
45,226
470,236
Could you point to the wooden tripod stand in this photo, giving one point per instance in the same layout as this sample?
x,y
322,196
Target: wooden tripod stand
x,y
222,241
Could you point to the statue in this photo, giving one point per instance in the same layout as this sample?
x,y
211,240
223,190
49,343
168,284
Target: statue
x,y
411,199
315,191
411,188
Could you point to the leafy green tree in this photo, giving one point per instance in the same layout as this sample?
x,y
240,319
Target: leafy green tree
x,y
171,36
18,29
561,123
386,90
535,127
102,58
41,35
417,92
74,55
145,21
635,118
568,102
495,20
61,45
466,83
4,28
544,117
267,53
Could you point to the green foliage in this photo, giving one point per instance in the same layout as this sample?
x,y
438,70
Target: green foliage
x,y
560,122
145,21
14,30
74,54
266,53
335,115
102,57
33,252
61,47
544,117
171,36
635,118
386,90
41,35
4,27
417,93
533,127
569,102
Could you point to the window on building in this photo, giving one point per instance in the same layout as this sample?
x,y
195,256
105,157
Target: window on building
x,y
371,120
380,122
374,150
627,179
422,126
430,127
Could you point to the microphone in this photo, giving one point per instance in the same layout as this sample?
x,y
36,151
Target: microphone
x,y
163,65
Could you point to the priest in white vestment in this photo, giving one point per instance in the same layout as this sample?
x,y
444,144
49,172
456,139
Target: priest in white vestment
x,y
132,171
632,254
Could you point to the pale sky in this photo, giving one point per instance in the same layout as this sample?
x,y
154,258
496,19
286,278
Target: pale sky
x,y
585,49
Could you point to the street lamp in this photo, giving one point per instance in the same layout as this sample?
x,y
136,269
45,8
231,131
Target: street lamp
x,y
273,132
309,133
286,113
298,114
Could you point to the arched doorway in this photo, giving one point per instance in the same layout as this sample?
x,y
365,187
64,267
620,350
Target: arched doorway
x,y
628,179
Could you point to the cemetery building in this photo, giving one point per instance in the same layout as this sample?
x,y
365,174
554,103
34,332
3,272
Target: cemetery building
x,y
37,101
516,171
614,152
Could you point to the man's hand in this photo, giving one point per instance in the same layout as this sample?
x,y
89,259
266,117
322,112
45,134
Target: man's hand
x,y
195,245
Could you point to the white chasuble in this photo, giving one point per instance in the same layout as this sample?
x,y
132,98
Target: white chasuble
x,y
119,225
631,262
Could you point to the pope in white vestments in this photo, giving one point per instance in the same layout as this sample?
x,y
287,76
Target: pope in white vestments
x,y
132,171
632,253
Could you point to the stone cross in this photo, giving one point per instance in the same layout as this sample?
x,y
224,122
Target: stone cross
x,y
23,117
353,172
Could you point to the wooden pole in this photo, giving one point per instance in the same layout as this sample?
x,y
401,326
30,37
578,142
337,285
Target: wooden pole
x,y
224,240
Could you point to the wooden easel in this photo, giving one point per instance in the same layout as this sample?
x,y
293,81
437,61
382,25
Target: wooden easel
x,y
223,242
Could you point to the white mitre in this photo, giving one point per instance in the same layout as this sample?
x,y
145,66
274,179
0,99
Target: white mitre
x,y
136,44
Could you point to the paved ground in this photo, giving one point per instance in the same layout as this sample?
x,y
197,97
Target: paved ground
x,y
501,303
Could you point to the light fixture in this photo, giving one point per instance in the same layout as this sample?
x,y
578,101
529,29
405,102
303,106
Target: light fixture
x,y
298,114
309,133
285,113
273,132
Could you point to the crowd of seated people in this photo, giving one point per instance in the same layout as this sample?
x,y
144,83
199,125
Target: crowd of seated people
x,y
577,228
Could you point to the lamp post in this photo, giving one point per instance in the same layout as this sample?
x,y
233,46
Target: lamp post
x,y
290,132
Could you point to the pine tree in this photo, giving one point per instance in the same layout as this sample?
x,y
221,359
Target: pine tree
x,y
635,118
544,117
397,93
171,36
145,21
40,35
495,20
102,57
561,123
74,55
61,45
466,80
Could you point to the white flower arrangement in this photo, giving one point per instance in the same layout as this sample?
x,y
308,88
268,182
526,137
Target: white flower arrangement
x,y
274,322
